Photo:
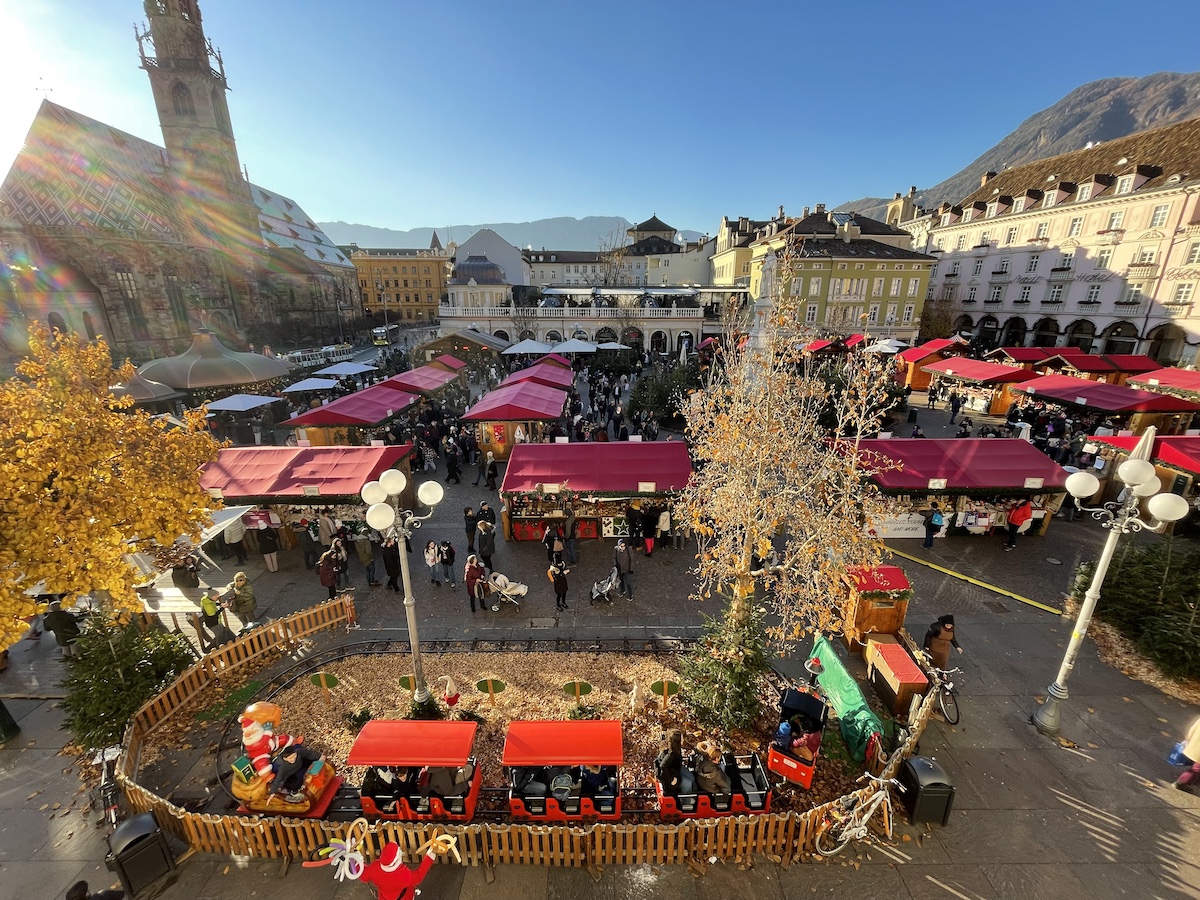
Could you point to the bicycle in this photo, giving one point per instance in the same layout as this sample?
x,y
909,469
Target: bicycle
x,y
107,795
852,821
947,696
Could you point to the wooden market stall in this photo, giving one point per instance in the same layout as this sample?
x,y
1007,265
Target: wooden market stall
x,y
973,480
597,481
878,603
448,363
556,359
350,420
1110,369
1130,409
546,373
508,416
1183,383
1176,461
429,381
910,362
474,347
982,385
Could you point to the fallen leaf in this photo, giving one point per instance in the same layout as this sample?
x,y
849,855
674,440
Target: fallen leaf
x,y
43,807
34,794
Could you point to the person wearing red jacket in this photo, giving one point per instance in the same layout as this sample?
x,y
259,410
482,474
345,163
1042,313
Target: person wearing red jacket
x,y
393,879
1018,514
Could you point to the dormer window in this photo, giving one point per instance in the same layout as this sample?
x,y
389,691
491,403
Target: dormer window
x,y
1124,184
1084,193
1049,198
945,219
1019,205
991,209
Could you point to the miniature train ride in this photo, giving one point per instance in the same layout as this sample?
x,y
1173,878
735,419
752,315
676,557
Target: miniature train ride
x,y
554,771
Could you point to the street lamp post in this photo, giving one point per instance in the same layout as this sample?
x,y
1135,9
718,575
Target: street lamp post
x,y
385,517
1138,475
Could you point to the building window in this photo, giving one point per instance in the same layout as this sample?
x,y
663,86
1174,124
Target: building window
x,y
984,238
1133,294
810,314
954,268
991,209
841,265
1032,265
978,267
814,286
914,285
1019,205
1158,218
1115,219
181,99
1124,184
894,288
873,314
176,302
1145,255
1193,257
859,266
933,271
1084,193
1093,294
1068,260
995,294
961,242
908,313
877,287
1056,293
1076,227
1011,235
1183,293
1043,229
128,288
1104,258
1005,263
796,286
1025,292
1048,199
947,292
945,219
971,292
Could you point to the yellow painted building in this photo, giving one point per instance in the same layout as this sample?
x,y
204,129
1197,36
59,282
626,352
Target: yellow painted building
x,y
407,284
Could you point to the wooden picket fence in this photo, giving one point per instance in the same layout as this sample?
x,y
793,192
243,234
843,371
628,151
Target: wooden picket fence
x,y
781,837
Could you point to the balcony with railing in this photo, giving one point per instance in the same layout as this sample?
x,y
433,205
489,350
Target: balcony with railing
x,y
1141,270
571,312
1062,273
1000,276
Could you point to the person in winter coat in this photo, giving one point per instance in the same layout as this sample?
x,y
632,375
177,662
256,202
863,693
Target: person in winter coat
x,y
390,551
235,535
473,574
569,530
326,528
558,577
470,520
239,597
623,560
268,546
366,556
341,561
434,563
1189,780
649,523
710,777
327,571
453,465
939,639
934,520
481,466
446,558
668,765
486,513
486,539
1020,513
553,542
493,471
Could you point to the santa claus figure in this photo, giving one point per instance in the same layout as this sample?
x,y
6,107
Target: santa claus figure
x,y
393,879
260,744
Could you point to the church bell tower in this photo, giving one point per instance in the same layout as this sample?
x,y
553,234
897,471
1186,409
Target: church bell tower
x,y
187,76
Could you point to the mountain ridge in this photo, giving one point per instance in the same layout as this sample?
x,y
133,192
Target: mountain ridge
x,y
1100,110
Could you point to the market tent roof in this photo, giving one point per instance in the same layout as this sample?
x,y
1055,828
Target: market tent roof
x,y
425,380
582,742
554,358
366,407
143,390
522,401
209,363
1184,380
978,372
345,368
618,467
888,346
1177,451
1092,364
916,354
1025,354
615,345
574,345
311,384
288,471
451,362
879,580
405,742
855,339
1112,398
240,403
543,373
1132,362
529,345
967,464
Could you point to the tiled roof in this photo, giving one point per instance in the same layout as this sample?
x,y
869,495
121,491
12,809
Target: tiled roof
x,y
284,224
856,249
542,257
382,252
827,223
651,245
1171,150
654,223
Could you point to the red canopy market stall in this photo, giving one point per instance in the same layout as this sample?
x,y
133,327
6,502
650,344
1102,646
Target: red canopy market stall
x,y
344,420
512,415
973,480
555,358
1131,409
543,373
1176,461
448,363
1113,369
983,386
910,362
1183,383
427,380
598,481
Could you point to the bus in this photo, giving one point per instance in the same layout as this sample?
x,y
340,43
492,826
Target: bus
x,y
385,336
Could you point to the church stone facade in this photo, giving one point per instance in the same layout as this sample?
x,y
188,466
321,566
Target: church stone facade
x,y
104,233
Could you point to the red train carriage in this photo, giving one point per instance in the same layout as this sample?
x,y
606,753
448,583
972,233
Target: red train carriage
x,y
750,792
560,771
417,770
809,712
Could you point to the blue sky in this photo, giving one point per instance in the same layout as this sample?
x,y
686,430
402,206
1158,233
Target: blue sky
x,y
404,114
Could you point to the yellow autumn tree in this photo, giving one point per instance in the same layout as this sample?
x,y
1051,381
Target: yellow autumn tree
x,y
781,497
85,480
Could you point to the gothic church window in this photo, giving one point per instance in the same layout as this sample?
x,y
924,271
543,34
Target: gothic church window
x,y
181,97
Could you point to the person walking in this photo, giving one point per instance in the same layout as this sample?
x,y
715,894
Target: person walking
x,y
493,471
486,539
623,560
453,463
931,397
234,539
268,546
649,525
569,529
341,562
1189,779
481,464
939,639
470,521
1018,514
558,577
390,551
239,597
446,558
366,556
308,544
327,572
434,563
955,406
934,520
473,574
326,529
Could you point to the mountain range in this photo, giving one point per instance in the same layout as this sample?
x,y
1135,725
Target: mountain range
x,y
561,233
1098,111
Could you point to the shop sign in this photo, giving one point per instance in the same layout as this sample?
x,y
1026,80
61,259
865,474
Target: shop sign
x,y
905,525
1034,484
647,487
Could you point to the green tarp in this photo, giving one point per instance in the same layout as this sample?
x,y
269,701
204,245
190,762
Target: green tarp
x,y
858,722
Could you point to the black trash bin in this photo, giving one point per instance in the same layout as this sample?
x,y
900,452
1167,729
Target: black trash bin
x,y
912,415
138,852
928,794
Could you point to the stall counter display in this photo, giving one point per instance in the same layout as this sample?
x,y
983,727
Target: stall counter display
x,y
593,519
978,515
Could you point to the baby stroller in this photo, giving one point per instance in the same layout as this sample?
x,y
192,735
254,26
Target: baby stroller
x,y
501,590
603,590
